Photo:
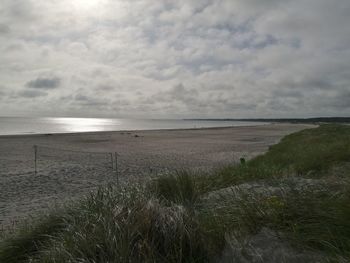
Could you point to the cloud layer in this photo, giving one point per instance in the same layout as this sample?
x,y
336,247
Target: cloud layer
x,y
186,58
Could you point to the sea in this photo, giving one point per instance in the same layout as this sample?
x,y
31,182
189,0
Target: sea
x,y
51,125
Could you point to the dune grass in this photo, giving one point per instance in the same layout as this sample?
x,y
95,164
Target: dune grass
x,y
308,153
112,226
179,188
174,219
26,242
313,219
311,150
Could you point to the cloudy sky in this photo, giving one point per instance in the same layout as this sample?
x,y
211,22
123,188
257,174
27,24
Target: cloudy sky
x,y
171,59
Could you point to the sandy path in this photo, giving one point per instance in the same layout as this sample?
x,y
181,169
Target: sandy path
x,y
65,175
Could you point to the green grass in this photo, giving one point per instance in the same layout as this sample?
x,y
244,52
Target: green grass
x,y
314,219
179,188
112,226
28,239
173,219
311,153
311,150
318,220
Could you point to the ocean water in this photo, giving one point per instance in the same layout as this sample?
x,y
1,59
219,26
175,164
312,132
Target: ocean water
x,y
26,125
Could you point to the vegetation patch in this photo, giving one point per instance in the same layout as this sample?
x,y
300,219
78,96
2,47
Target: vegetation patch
x,y
308,153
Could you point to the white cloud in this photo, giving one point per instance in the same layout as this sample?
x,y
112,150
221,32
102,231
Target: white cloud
x,y
223,58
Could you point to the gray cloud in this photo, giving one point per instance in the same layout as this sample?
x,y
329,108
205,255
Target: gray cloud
x,y
4,29
89,101
44,83
180,93
339,101
210,58
31,93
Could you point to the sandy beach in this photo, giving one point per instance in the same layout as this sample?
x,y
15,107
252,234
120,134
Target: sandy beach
x,y
70,165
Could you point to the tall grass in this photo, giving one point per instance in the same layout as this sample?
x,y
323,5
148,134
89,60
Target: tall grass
x,y
310,152
112,227
179,188
29,238
312,218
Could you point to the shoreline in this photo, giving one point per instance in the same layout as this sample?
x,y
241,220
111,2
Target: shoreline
x,y
130,131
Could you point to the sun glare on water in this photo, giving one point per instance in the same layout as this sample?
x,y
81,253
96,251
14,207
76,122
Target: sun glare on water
x,y
83,124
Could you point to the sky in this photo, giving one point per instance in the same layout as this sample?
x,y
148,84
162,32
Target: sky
x,y
175,59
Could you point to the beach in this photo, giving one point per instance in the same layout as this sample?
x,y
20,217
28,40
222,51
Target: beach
x,y
71,165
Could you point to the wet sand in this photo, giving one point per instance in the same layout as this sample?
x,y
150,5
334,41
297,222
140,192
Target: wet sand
x,y
71,165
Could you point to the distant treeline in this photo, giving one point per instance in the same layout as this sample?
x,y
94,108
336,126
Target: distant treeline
x,y
293,120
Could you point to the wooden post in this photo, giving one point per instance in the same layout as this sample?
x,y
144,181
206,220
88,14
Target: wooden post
x,y
35,158
112,166
116,167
